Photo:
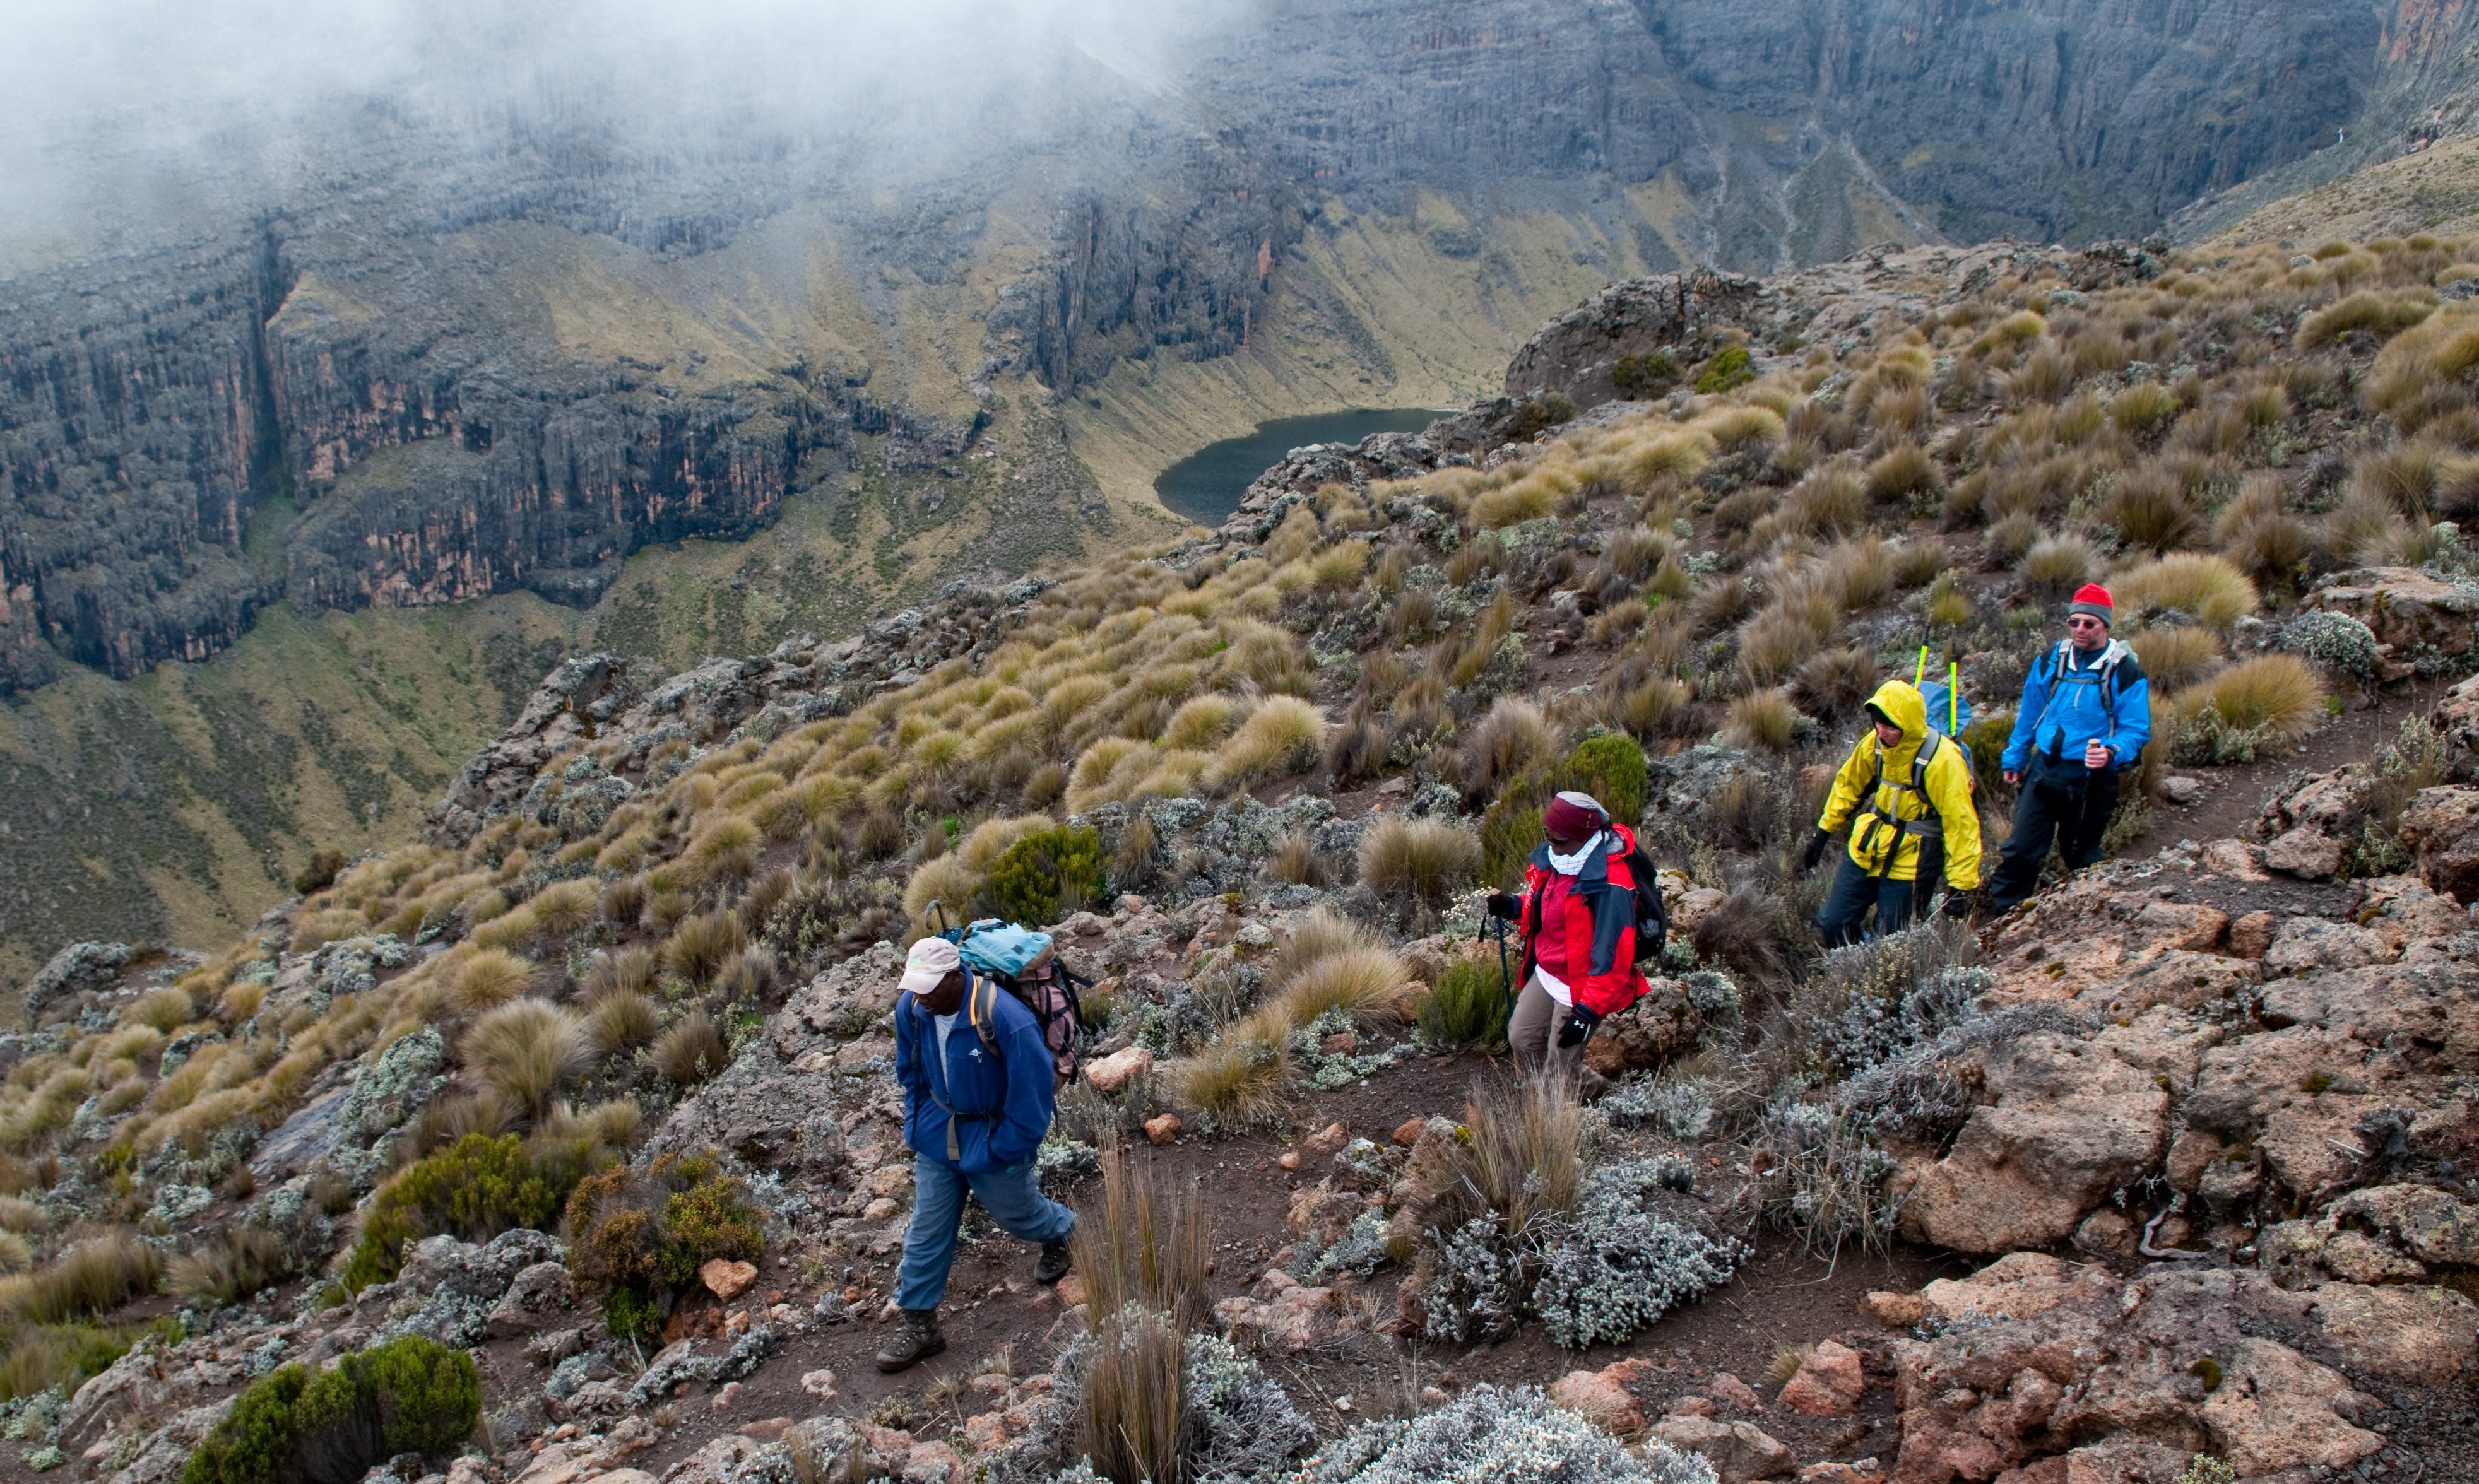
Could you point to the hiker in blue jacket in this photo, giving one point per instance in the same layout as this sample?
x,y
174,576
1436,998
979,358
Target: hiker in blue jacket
x,y
977,1088
2086,713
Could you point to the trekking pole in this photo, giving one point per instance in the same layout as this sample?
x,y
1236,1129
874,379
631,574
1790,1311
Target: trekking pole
x,y
1921,674
1952,695
1506,979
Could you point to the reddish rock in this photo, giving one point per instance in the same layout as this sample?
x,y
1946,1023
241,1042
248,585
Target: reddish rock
x,y
2251,935
1162,1128
1326,1142
1111,1075
1730,1391
1408,1131
1600,1398
1830,1381
726,1279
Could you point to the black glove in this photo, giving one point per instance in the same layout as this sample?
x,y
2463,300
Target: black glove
x,y
1815,853
1957,906
1505,905
1579,1024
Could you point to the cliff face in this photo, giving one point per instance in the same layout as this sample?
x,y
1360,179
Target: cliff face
x,y
410,381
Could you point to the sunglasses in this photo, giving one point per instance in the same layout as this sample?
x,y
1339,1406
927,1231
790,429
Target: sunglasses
x,y
2084,623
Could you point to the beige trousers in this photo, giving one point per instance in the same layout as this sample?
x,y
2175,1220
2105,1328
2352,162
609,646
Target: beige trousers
x,y
1533,1036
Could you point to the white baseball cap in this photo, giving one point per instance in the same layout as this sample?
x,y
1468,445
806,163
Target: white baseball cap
x,y
931,960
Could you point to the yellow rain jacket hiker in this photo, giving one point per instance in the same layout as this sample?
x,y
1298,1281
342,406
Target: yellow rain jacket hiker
x,y
1893,805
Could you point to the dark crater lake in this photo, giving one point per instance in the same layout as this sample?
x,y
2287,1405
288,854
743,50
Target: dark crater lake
x,y
1206,485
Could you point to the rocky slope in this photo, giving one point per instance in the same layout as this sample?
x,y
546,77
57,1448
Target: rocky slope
x,y
593,1084
429,365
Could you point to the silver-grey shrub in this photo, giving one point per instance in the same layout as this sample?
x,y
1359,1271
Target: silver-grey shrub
x,y
1490,1436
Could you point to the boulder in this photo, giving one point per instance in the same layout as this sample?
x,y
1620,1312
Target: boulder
x,y
2275,1409
2305,852
1831,1380
1738,1451
1661,1025
1111,1075
2071,1123
539,1294
2443,824
1602,1399
2413,613
726,1279
75,970
2417,1334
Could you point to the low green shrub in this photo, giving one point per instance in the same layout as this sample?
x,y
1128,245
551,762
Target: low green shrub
x,y
475,1189
1647,373
1611,768
1045,875
1467,1006
409,1395
1725,370
643,1234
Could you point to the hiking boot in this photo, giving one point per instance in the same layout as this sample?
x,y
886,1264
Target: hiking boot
x,y
916,1340
1055,1263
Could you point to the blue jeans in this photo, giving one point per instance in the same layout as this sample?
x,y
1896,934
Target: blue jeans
x,y
1014,1198
1853,892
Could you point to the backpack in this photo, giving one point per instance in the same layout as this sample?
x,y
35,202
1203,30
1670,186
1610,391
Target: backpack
x,y
1014,958
1652,912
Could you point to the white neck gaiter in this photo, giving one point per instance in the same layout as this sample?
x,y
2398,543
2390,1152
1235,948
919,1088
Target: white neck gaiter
x,y
1573,865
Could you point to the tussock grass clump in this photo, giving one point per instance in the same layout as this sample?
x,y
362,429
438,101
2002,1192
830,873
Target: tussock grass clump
x,y
621,1021
1425,860
2379,315
2143,410
1833,683
231,1266
491,977
2058,565
1201,721
2275,695
1901,471
2174,658
1764,719
165,1010
1241,1078
562,908
1282,737
525,1050
702,944
692,1050
1142,1246
1660,708
1513,739
623,901
2259,537
2207,588
90,1278
1359,981
2436,354
619,971
950,882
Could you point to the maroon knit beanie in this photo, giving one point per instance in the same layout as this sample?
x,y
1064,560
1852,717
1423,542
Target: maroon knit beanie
x,y
1573,816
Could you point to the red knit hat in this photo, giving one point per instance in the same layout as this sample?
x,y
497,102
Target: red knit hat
x,y
1573,816
2092,600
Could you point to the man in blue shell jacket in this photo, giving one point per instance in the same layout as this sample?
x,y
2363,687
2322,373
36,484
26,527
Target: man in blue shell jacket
x,y
2086,713
977,1087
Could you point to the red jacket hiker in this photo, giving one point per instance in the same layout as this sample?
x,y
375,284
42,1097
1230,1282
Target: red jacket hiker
x,y
1581,928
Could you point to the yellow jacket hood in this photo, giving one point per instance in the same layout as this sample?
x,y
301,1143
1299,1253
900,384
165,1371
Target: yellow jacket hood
x,y
1897,702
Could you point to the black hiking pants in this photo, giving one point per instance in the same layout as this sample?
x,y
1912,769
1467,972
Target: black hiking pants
x,y
2065,804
